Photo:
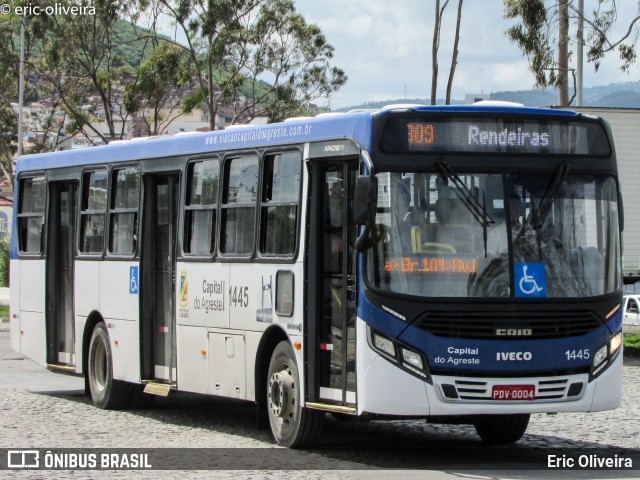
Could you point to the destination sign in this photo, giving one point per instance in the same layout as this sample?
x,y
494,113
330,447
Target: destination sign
x,y
430,265
494,135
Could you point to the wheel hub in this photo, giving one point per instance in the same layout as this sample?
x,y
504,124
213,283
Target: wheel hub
x,y
281,394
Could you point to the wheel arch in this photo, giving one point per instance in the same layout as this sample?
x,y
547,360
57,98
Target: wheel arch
x,y
92,320
272,336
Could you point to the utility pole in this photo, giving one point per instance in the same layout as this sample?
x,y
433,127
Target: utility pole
x,y
21,88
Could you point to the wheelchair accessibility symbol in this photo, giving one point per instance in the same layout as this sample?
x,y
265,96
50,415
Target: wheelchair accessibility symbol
x,y
133,280
530,279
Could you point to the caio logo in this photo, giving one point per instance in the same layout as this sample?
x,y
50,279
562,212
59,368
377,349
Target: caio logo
x,y
514,332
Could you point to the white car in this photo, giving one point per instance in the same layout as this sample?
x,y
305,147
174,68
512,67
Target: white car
x,y
631,305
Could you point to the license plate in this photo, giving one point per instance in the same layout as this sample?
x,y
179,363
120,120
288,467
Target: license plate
x,y
513,392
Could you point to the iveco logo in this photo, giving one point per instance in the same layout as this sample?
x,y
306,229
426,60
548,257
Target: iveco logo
x,y
513,356
514,332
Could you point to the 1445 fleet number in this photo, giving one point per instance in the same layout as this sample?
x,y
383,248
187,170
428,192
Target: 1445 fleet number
x,y
578,354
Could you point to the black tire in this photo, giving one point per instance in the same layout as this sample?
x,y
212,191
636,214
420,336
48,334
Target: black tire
x,y
292,424
502,428
106,392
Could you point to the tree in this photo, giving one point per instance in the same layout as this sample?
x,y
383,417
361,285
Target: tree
x,y
454,58
435,46
161,79
599,38
10,60
81,57
543,26
8,138
236,44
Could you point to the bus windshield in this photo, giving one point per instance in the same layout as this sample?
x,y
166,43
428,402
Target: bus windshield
x,y
447,234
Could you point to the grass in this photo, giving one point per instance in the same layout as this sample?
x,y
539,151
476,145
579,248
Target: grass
x,y
632,340
4,311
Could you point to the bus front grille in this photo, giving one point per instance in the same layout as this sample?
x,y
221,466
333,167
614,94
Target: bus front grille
x,y
560,389
507,326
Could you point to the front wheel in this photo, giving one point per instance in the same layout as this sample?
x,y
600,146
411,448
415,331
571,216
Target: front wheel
x,y
292,424
502,428
106,392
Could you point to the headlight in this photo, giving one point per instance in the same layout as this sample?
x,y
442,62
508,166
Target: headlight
x,y
615,343
400,355
600,356
605,354
384,345
412,358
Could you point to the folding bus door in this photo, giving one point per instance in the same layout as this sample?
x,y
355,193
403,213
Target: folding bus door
x,y
59,274
332,267
158,260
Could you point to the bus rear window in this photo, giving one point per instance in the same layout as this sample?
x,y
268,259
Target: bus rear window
x,y
31,214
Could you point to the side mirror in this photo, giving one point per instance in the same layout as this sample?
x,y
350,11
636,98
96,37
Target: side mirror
x,y
363,200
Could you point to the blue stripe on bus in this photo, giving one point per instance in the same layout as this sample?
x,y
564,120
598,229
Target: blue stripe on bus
x,y
356,126
352,125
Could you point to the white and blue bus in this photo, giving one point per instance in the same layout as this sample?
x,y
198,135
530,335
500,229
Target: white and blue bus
x,y
459,264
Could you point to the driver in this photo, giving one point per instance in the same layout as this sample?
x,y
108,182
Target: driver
x,y
497,240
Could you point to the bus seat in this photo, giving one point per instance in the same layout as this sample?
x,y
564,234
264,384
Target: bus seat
x,y
416,242
455,225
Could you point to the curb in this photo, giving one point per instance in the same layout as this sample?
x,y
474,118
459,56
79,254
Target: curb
x,y
633,352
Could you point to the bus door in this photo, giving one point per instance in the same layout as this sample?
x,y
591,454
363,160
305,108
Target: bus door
x,y
59,273
333,266
158,264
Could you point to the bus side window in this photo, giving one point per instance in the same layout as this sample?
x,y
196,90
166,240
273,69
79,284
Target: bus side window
x,y
280,199
123,212
31,214
201,209
238,208
93,213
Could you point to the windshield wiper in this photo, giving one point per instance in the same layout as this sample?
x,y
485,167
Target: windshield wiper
x,y
539,214
478,210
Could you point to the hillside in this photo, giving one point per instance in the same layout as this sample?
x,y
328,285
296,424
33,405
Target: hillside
x,y
620,95
133,45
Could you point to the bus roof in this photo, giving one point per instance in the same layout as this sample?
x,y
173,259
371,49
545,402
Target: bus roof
x,y
355,125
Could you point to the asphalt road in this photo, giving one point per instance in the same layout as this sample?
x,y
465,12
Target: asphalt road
x,y
42,410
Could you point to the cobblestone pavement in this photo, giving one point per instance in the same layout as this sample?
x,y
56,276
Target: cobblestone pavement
x,y
63,418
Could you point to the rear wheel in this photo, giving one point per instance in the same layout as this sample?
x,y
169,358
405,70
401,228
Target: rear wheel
x,y
106,392
502,428
292,424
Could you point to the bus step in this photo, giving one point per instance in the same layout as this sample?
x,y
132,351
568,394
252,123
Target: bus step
x,y
331,408
160,389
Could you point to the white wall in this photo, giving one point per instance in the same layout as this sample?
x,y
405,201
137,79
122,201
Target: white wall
x,y
625,126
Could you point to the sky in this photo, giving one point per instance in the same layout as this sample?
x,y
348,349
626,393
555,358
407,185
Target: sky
x,y
384,47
